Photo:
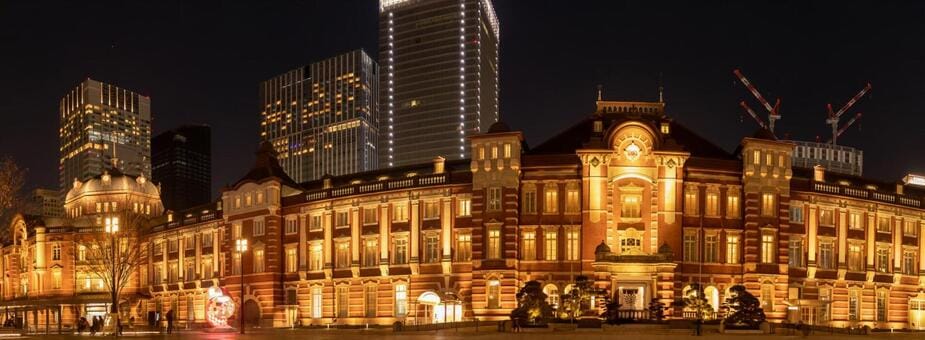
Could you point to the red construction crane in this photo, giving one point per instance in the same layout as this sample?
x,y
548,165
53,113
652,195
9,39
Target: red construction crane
x,y
835,116
773,111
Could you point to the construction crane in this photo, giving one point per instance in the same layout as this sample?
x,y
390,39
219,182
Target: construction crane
x,y
834,117
773,111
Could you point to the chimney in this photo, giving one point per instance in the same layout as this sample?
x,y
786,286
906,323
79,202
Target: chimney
x,y
439,163
326,182
899,188
819,173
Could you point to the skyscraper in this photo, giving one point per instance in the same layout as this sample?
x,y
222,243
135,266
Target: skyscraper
x,y
439,77
182,165
99,122
47,203
322,119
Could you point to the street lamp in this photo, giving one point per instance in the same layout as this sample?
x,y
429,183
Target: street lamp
x,y
240,247
111,228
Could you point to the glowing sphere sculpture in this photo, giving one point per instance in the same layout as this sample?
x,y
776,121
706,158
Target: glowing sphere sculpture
x,y
220,307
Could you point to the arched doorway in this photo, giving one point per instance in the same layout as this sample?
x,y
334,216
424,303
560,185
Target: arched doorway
x,y
251,313
712,296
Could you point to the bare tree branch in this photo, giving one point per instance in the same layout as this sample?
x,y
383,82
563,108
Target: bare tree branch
x,y
113,258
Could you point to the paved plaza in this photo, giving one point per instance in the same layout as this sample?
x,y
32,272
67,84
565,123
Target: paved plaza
x,y
485,333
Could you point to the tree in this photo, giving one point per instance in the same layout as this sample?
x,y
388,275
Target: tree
x,y
13,199
611,311
656,310
114,252
577,302
531,305
695,301
745,309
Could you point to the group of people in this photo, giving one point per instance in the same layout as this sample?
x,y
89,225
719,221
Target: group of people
x,y
95,325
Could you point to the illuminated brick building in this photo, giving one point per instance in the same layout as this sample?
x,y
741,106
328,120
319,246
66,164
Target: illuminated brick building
x,y
640,204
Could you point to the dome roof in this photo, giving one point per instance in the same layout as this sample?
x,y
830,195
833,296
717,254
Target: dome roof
x,y
602,248
115,182
498,127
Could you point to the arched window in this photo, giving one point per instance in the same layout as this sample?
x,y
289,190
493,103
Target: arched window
x,y
401,300
494,294
552,295
712,296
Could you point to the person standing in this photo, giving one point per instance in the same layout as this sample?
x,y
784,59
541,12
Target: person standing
x,y
170,321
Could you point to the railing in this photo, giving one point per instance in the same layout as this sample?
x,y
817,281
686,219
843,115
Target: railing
x,y
365,188
865,193
628,314
694,315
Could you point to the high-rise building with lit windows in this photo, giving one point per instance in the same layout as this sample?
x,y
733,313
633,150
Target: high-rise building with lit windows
x,y
439,80
322,118
101,122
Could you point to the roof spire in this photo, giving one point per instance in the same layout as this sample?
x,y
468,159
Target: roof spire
x,y
661,89
600,91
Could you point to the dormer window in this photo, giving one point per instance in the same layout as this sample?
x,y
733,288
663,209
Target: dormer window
x,y
665,128
598,126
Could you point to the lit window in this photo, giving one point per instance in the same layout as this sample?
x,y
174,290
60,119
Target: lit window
x,y
711,248
909,263
529,202
494,152
507,150
551,202
431,210
370,252
691,205
56,252
258,261
855,257
712,204
883,224
316,302
854,221
401,300
768,249
826,255
400,212
292,262
630,207
529,245
551,245
690,246
342,219
343,301
292,225
316,257
571,245
827,217
910,228
882,301
464,207
315,224
370,215
494,199
883,260
431,248
767,205
259,228
732,205
854,304
463,247
494,294
370,300
732,248
756,157
795,251
400,254
571,201
342,259
494,243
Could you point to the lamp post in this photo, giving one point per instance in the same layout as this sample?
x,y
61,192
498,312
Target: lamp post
x,y
111,228
241,247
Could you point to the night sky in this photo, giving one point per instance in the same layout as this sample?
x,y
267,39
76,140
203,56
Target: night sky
x,y
201,62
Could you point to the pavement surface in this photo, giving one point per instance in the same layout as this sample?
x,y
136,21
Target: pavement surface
x,y
485,333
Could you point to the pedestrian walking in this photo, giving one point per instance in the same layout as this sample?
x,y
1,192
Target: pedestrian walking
x,y
170,321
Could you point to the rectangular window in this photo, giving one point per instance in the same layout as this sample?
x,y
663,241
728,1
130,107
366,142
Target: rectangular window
x,y
691,205
711,248
159,269
173,272
371,301
173,245
825,299
630,206
855,257
431,210
768,205
507,150
827,217
883,224
401,300
481,153
370,252
571,201
910,228
551,245
494,152
795,251
292,226
529,245
316,302
882,301
883,260
529,202
56,279
551,199
431,248
768,249
909,267
464,207
292,260
796,214
56,252
732,248
259,228
855,221
494,199
258,261
732,205
494,243
712,204
342,259
206,239
571,245
756,157
236,230
826,255
315,224
494,294
189,243
370,215
206,268
690,247
854,305
316,258
342,219
343,301
400,255
767,297
463,247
